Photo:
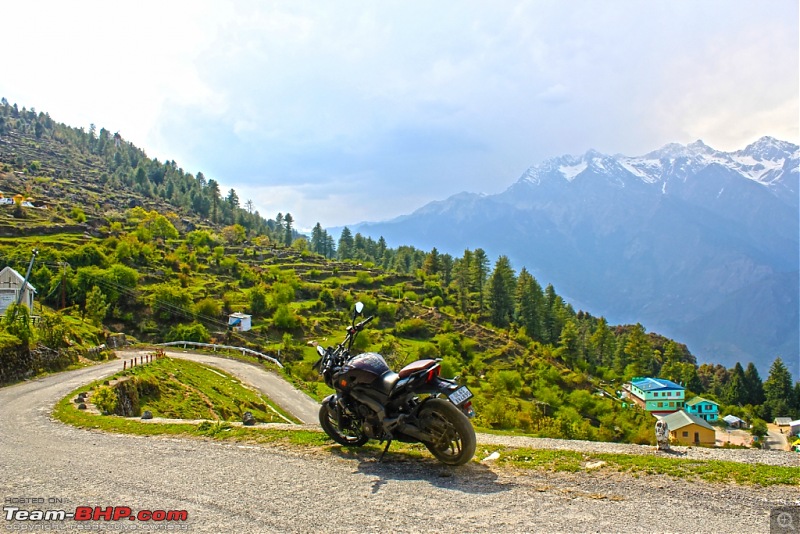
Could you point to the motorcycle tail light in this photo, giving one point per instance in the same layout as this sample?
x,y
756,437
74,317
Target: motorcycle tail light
x,y
343,383
432,373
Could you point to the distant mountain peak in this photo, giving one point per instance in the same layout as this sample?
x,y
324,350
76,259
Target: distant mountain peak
x,y
768,148
767,161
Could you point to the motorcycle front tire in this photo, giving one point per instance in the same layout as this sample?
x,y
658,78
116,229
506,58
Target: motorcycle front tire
x,y
349,437
454,437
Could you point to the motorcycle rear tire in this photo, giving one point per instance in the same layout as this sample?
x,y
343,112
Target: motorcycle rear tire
x,y
349,437
454,442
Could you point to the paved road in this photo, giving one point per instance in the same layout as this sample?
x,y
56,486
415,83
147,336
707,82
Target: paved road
x,y
227,487
775,439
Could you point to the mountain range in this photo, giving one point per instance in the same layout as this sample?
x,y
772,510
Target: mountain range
x,y
695,243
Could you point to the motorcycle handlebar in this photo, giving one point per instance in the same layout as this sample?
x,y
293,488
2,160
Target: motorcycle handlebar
x,y
363,323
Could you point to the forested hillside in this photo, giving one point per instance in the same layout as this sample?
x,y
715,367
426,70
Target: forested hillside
x,y
128,244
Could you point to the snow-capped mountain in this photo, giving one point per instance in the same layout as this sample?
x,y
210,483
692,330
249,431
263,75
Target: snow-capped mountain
x,y
694,243
768,161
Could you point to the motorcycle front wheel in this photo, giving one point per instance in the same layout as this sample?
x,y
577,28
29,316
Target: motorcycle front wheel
x,y
350,436
454,437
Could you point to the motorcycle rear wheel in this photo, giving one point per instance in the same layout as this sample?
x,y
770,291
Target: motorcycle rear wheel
x,y
351,436
454,437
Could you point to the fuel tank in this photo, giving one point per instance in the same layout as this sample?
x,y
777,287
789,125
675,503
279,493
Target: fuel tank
x,y
363,370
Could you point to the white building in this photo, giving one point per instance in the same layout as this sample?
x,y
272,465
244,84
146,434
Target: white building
x,y
240,321
794,428
10,286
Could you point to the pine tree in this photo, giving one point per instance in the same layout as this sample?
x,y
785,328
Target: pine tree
x,y
530,305
569,344
479,271
317,240
462,269
639,352
735,392
778,389
754,388
501,293
346,244
287,233
601,344
212,191
432,264
446,267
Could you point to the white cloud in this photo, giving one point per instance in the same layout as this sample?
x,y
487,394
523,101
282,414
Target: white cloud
x,y
403,102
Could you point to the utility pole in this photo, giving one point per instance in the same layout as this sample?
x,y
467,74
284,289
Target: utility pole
x,y
63,266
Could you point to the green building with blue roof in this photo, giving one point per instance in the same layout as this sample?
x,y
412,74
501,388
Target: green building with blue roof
x,y
658,396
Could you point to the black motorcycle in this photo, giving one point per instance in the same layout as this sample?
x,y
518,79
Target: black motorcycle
x,y
373,402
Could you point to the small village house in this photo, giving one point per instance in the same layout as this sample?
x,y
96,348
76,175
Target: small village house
x,y
241,322
687,429
794,428
658,396
734,422
782,421
704,408
10,286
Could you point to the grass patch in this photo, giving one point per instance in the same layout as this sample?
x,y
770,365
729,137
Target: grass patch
x,y
716,471
182,389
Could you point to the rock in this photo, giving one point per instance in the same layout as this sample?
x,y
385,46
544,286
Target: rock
x,y
147,414
248,419
492,457
81,406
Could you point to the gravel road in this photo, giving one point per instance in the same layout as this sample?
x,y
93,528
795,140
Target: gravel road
x,y
244,488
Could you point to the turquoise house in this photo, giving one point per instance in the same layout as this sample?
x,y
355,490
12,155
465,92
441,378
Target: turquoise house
x,y
703,408
656,395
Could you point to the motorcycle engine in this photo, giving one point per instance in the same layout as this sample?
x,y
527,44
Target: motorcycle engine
x,y
370,423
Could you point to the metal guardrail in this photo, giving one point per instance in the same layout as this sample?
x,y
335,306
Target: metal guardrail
x,y
243,350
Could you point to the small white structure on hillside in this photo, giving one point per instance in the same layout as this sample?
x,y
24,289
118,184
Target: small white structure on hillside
x,y
240,322
10,286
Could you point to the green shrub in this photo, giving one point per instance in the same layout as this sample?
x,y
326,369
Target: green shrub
x,y
105,398
414,328
189,332
284,318
77,214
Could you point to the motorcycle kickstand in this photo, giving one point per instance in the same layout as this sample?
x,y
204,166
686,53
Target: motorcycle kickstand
x,y
388,443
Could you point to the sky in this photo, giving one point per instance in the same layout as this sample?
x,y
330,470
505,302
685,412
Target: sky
x,y
350,111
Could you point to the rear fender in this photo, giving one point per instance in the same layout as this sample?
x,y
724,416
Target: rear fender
x,y
436,386
444,387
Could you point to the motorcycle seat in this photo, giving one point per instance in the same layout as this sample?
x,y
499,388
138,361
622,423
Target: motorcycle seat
x,y
418,365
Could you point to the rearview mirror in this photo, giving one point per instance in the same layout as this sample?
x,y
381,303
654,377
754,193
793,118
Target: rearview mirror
x,y
320,350
359,307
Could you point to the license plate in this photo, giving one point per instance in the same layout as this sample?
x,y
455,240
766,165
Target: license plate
x,y
460,395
